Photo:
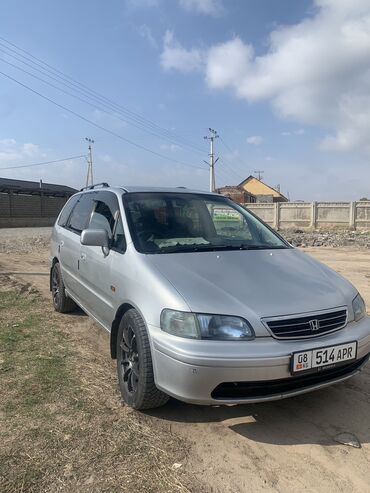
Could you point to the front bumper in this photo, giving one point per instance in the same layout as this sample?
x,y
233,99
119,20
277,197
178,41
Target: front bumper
x,y
213,372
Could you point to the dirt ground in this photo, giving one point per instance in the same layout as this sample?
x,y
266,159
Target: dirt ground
x,y
284,446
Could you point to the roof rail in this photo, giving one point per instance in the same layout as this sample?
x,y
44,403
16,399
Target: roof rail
x,y
181,187
91,187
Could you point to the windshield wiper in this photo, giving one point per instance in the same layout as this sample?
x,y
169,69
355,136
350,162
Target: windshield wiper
x,y
267,247
213,248
202,248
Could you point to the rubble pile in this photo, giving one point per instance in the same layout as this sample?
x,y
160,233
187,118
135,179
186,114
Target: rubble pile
x,y
356,239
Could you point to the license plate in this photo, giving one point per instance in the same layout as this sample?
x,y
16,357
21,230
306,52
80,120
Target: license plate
x,y
327,357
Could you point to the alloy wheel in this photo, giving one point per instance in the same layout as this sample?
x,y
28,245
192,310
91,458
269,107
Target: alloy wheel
x,y
130,369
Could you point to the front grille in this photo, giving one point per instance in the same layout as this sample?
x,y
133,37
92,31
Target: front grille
x,y
308,325
269,388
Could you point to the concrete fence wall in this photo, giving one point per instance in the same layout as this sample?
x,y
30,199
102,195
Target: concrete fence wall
x,y
19,210
314,215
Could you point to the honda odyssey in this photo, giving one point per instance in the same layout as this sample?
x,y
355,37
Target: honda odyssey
x,y
202,300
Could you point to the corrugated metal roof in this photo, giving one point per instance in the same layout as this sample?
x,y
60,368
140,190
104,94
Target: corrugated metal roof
x,y
33,187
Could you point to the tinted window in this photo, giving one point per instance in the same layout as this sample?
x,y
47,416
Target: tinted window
x,y
67,210
106,215
102,217
81,213
170,223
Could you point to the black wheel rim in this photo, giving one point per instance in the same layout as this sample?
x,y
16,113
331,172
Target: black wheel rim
x,y
130,370
55,286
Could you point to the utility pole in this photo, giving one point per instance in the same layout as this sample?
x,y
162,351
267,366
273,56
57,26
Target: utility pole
x,y
259,173
90,176
211,137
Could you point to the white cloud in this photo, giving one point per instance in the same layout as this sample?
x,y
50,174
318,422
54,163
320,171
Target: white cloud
x,y
207,7
146,33
30,149
175,57
170,147
299,131
227,63
255,140
14,153
106,158
316,72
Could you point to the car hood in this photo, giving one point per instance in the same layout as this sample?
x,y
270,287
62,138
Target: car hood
x,y
254,283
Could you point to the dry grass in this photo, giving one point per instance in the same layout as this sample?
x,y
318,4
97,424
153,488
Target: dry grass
x,y
62,427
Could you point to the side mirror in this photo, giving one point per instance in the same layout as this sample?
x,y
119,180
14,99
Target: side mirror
x,y
95,237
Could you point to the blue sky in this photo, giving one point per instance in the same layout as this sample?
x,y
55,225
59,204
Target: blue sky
x,y
286,85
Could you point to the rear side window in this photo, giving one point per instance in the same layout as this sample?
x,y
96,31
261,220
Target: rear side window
x,y
81,213
66,211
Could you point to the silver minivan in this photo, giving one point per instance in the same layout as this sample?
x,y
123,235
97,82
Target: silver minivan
x,y
203,301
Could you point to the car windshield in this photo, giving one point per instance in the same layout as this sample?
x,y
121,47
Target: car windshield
x,y
186,222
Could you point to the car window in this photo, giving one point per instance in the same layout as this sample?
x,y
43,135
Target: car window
x,y
175,222
102,218
119,241
106,215
67,209
81,213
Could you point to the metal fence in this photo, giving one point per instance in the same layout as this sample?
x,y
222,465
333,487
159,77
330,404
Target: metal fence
x,y
19,210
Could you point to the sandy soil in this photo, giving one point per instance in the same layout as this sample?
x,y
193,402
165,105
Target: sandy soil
x,y
281,446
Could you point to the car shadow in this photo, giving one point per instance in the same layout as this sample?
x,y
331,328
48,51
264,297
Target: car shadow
x,y
313,418
77,312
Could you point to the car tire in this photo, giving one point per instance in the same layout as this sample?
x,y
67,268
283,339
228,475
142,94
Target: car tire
x,y
62,303
134,364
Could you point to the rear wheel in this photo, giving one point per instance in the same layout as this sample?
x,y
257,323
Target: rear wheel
x,y
134,364
62,303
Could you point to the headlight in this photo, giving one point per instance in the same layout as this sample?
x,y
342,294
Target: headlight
x,y
201,326
359,308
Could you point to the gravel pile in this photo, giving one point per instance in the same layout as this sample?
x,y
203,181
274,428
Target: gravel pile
x,y
357,239
24,240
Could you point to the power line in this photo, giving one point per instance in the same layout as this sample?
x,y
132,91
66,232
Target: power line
x,y
86,101
230,150
229,167
139,121
226,145
111,132
45,162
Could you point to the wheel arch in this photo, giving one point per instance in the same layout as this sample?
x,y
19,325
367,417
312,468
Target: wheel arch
x,y
125,307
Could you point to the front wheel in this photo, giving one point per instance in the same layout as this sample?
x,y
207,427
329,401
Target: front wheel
x,y
62,303
134,364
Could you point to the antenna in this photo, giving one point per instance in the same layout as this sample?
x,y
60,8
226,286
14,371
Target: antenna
x,y
259,173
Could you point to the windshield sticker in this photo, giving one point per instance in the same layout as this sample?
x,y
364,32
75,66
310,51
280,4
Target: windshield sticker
x,y
164,243
225,215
